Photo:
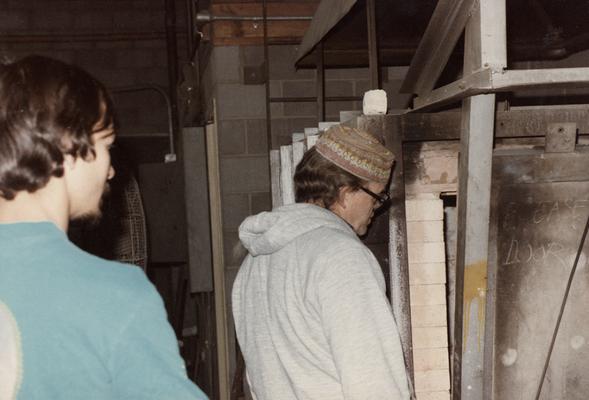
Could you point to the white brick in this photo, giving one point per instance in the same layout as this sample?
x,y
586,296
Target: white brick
x,y
430,381
427,295
424,210
422,316
426,252
425,231
427,273
430,359
443,395
430,338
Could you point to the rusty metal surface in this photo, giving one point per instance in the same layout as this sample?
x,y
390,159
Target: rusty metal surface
x,y
541,202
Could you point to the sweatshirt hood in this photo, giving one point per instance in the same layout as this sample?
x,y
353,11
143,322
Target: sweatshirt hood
x,y
268,232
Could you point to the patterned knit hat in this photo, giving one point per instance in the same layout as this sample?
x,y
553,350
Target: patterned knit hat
x,y
356,152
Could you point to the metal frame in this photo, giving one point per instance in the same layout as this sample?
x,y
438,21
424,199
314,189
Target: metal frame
x,y
489,80
484,74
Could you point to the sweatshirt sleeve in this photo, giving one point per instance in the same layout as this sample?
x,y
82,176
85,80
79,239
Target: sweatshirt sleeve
x,y
360,328
146,363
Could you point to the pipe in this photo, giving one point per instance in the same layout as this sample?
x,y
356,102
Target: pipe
x,y
205,16
172,52
189,28
312,99
267,76
171,156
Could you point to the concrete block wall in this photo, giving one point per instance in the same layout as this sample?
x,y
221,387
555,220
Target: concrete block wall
x,y
75,31
427,280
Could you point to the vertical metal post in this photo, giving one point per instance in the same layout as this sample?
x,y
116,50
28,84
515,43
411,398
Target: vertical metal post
x,y
320,83
172,50
485,45
267,73
372,45
189,28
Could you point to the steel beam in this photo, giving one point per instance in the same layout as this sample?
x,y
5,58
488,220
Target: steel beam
x,y
485,48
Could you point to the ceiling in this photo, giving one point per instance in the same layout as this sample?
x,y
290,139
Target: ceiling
x,y
536,30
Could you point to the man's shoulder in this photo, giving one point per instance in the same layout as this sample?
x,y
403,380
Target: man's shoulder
x,y
329,239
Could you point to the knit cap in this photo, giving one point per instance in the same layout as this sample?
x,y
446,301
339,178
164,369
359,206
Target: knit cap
x,y
356,152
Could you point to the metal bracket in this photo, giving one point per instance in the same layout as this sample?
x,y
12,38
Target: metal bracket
x,y
561,137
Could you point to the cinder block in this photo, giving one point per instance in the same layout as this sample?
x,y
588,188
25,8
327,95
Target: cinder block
x,y
282,61
252,55
429,381
430,359
425,231
260,202
245,174
442,395
433,252
231,137
430,337
333,108
300,109
424,210
339,88
427,273
284,127
423,316
427,295
346,73
299,89
275,89
241,101
227,64
257,139
235,208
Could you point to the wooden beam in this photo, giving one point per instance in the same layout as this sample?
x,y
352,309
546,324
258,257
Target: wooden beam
x,y
443,31
217,255
528,122
488,80
540,78
471,84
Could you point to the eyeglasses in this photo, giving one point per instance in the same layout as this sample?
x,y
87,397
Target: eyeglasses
x,y
381,198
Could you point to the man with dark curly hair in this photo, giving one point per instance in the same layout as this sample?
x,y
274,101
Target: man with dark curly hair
x,y
311,313
81,327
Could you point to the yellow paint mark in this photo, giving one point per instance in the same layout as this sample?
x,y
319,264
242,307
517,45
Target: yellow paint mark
x,y
475,288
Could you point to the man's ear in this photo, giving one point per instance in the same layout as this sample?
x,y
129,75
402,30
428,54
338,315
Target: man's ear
x,y
342,198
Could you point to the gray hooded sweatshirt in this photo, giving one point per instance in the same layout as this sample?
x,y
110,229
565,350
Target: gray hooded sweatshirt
x,y
311,313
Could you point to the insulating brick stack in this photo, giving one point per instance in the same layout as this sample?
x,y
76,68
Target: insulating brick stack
x,y
427,279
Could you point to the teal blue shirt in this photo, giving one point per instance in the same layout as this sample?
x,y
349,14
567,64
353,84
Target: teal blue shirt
x,y
89,328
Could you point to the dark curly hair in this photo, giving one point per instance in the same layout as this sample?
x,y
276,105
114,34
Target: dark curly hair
x,y
319,180
47,109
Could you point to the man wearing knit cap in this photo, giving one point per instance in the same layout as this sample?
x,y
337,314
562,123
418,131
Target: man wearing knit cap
x,y
309,302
